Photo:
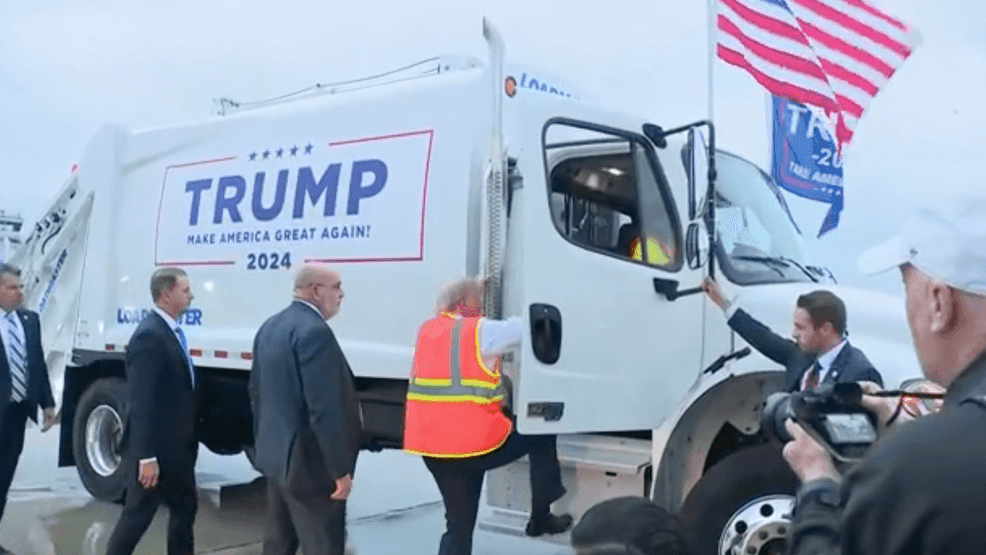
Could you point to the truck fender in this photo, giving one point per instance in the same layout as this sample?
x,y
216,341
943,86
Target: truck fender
x,y
685,442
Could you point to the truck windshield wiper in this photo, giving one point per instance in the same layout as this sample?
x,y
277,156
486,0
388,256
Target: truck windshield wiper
x,y
769,261
822,271
781,261
800,267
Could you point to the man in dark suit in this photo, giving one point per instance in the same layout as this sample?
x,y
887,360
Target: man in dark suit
x,y
23,377
306,420
159,433
820,352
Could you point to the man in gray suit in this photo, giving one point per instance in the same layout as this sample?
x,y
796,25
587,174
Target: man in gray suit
x,y
306,420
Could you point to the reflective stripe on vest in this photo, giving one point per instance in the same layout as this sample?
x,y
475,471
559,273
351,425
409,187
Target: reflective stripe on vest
x,y
452,408
454,389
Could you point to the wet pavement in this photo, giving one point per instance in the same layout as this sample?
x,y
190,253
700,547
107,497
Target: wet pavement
x,y
394,508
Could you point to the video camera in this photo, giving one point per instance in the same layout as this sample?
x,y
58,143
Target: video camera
x,y
831,414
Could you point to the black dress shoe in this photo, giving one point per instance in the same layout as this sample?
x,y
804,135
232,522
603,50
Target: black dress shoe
x,y
551,524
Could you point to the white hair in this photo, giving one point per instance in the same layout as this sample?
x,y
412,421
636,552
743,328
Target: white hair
x,y
454,294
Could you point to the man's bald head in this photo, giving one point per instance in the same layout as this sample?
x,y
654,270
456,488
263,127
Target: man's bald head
x,y
320,286
310,274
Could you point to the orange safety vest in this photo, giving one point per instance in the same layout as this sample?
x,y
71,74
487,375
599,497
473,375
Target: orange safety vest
x,y
452,409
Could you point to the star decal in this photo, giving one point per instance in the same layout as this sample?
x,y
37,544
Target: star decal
x,y
280,152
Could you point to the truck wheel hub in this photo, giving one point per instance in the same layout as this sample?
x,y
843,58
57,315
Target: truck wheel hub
x,y
759,527
103,432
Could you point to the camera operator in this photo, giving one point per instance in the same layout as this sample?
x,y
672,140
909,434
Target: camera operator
x,y
921,488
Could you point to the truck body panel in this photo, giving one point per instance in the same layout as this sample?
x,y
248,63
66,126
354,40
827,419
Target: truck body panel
x,y
238,202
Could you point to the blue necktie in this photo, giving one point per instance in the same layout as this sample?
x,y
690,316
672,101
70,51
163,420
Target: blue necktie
x,y
184,349
18,365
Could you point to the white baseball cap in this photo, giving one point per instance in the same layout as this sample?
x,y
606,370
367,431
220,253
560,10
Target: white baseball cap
x,y
946,240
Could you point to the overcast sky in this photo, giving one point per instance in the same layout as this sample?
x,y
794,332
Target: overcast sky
x,y
68,67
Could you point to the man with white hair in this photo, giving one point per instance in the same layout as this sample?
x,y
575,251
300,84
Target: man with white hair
x,y
454,416
921,488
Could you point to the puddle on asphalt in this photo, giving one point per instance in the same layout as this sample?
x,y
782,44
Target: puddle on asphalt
x,y
43,523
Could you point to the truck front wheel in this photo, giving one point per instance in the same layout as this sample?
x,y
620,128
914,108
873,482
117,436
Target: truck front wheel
x,y
96,434
742,504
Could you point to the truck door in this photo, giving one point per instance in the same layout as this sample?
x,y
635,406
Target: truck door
x,y
595,231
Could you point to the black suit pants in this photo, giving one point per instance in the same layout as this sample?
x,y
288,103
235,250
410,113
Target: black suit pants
x,y
12,423
176,490
461,483
317,524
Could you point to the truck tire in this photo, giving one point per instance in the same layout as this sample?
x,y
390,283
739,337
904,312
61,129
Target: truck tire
x,y
749,493
96,434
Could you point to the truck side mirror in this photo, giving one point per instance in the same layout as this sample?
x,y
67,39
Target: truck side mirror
x,y
696,246
698,173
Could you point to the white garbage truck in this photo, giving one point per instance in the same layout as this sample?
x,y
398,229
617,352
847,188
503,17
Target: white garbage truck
x,y
404,185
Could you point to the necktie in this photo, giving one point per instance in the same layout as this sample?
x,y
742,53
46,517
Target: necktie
x,y
184,349
811,378
18,361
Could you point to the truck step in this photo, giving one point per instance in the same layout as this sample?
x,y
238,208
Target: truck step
x,y
506,521
594,468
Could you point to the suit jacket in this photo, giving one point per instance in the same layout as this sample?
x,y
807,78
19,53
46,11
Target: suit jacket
x,y
38,385
306,419
850,365
162,404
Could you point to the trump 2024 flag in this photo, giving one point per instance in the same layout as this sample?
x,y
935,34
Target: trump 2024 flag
x,y
831,54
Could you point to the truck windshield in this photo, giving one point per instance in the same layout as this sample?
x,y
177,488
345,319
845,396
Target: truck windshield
x,y
757,239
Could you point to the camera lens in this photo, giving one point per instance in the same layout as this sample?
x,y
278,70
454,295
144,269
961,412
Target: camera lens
x,y
776,410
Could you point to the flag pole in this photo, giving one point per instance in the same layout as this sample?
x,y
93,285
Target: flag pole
x,y
712,55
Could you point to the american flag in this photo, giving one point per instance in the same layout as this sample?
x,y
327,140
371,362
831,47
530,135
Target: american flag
x,y
831,54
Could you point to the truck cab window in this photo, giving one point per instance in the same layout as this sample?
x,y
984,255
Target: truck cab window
x,y
605,197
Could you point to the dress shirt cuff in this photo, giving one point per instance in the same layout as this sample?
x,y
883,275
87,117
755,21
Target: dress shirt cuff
x,y
152,459
731,307
499,336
